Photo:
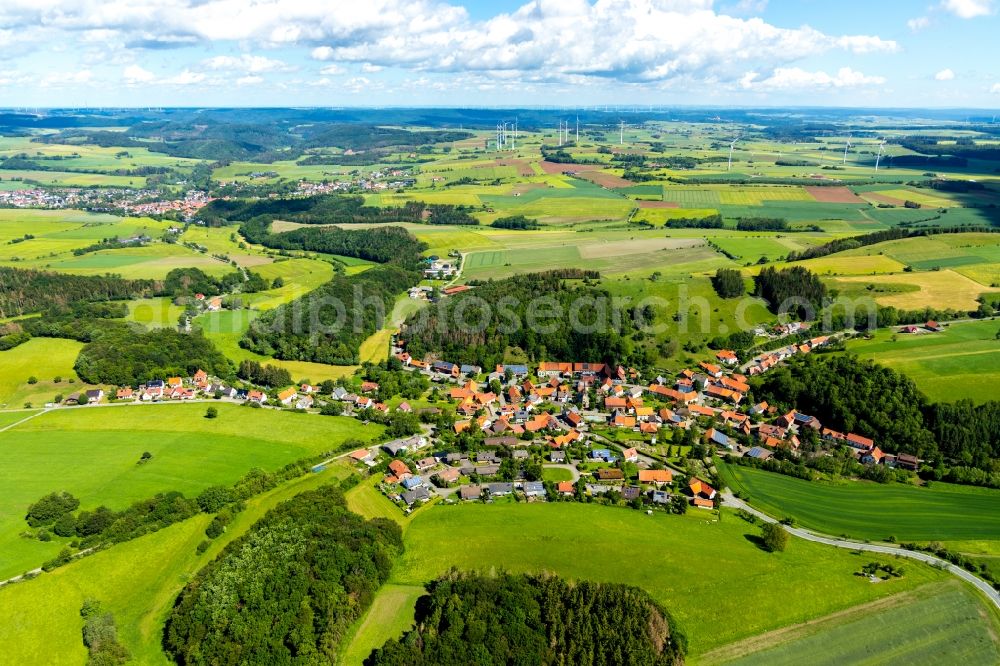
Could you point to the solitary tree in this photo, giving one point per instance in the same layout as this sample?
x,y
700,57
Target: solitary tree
x,y
775,537
211,413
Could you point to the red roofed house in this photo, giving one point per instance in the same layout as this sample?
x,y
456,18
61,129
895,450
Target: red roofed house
x,y
727,356
656,476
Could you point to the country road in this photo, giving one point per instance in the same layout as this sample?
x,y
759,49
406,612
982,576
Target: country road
x,y
728,499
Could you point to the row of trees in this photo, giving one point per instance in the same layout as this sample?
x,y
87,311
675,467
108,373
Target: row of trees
x,y
267,375
25,291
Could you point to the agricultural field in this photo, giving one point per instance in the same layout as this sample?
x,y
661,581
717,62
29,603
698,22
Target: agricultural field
x,y
937,289
959,363
938,623
666,556
864,510
45,359
137,581
92,453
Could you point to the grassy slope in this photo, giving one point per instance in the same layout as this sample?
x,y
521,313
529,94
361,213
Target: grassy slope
x,y
92,453
43,358
960,363
944,623
872,511
703,571
138,581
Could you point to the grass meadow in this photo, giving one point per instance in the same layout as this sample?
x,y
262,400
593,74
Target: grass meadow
x,y
865,510
137,581
693,564
92,452
41,358
959,363
936,624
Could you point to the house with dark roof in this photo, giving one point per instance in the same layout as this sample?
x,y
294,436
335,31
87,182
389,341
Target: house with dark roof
x,y
420,494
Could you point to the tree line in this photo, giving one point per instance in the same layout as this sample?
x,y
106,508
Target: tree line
x,y
23,291
796,289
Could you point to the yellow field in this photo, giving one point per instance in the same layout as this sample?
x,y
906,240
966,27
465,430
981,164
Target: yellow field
x,y
919,197
937,289
844,265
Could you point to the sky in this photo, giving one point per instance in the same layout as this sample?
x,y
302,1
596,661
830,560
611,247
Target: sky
x,y
567,53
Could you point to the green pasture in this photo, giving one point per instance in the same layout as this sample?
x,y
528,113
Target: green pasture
x,y
936,624
137,581
683,561
960,363
864,510
41,358
93,453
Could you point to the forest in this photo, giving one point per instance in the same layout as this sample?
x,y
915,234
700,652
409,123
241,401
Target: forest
x,y
470,618
795,290
328,324
124,357
482,326
728,283
319,209
25,291
860,396
378,244
288,590
516,222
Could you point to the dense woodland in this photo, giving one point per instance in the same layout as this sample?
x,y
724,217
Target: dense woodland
x,y
896,233
516,222
191,281
795,290
124,357
379,244
543,620
288,590
26,291
853,395
487,325
728,283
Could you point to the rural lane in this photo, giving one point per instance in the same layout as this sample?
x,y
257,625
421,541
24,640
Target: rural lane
x,y
728,499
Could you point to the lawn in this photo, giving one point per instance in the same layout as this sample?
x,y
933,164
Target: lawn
x,y
717,583
556,474
940,623
92,452
864,510
391,614
137,581
960,362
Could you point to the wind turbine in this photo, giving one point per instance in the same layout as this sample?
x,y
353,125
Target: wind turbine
x,y
878,157
731,147
578,129
621,135
847,147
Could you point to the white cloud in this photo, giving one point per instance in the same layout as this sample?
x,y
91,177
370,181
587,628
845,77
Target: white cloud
x,y
369,68
249,80
542,40
995,89
332,70
918,23
134,74
784,78
60,79
247,63
185,78
945,75
968,9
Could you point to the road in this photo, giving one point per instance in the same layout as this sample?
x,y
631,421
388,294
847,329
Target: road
x,y
734,502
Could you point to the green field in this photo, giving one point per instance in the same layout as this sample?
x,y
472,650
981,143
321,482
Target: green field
x,y
864,510
935,624
703,570
960,363
557,474
137,581
42,358
92,453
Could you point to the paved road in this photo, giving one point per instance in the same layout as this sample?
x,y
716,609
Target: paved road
x,y
729,500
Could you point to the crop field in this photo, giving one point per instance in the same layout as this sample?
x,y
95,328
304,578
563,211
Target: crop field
x,y
137,581
753,246
920,197
41,358
958,363
865,510
666,555
92,452
938,623
56,233
936,289
71,179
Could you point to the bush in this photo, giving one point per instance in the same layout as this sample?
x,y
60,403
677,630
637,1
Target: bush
x,y
775,537
213,498
50,508
65,526
211,413
32,380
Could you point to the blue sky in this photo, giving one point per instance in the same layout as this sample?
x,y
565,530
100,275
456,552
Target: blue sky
x,y
935,53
